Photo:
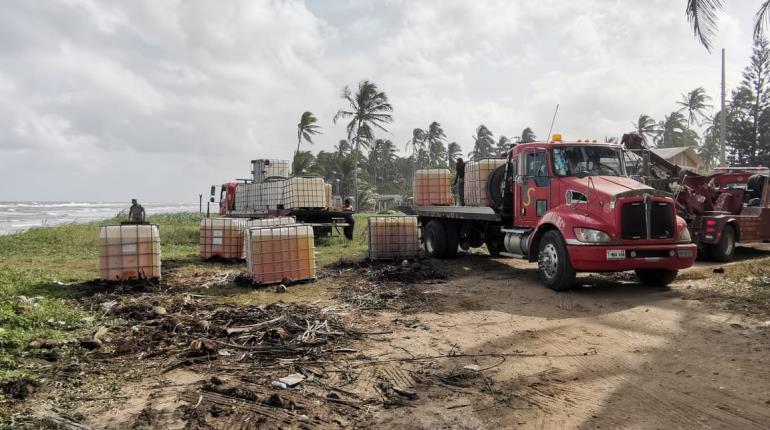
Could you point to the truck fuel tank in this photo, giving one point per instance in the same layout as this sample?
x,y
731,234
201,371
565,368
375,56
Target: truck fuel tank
x,y
517,241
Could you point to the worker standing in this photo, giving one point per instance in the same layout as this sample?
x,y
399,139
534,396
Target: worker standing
x,y
136,212
459,181
349,220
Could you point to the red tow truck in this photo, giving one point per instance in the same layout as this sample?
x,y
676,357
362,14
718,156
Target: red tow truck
x,y
724,207
729,205
570,207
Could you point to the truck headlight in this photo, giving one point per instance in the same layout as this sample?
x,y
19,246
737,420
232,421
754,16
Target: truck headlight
x,y
589,235
684,236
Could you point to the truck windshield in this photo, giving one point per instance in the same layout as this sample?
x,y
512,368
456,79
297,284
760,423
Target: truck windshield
x,y
591,160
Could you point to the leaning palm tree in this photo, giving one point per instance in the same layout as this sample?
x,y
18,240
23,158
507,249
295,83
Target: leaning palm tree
x,y
435,138
453,152
694,104
367,109
417,142
646,127
484,143
703,16
307,128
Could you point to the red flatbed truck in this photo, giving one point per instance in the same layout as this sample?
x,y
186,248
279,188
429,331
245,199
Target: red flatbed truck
x,y
570,207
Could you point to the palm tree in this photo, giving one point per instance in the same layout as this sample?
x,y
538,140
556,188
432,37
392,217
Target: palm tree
x,y
435,138
437,154
367,109
703,16
453,152
342,147
527,135
673,131
484,143
503,144
381,157
303,162
307,128
694,103
417,142
646,127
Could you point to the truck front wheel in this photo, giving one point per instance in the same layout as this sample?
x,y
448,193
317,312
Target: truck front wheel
x,y
553,263
435,239
655,277
724,250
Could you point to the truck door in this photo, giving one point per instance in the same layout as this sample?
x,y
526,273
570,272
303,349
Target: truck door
x,y
532,188
222,201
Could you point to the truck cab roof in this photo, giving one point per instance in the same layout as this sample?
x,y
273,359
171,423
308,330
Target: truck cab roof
x,y
556,143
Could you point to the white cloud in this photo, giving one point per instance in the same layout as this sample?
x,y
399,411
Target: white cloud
x,y
189,91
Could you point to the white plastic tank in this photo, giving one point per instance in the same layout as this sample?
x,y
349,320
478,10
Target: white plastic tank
x,y
393,237
279,254
129,251
222,237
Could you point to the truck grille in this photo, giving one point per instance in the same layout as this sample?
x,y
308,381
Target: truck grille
x,y
662,216
634,220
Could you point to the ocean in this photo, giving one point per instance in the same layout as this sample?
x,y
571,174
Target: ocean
x,y
19,216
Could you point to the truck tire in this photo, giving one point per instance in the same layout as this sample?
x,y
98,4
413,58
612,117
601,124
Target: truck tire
x,y
435,239
724,250
495,245
553,263
655,277
452,239
495,188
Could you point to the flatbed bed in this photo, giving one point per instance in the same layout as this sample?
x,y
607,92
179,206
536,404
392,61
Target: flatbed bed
x,y
471,213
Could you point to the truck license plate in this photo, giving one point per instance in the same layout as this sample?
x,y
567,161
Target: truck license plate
x,y
616,254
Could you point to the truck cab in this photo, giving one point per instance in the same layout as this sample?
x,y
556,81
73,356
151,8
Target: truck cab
x,y
227,198
570,207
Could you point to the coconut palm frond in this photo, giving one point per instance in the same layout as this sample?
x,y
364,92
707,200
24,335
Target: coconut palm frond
x,y
761,19
703,16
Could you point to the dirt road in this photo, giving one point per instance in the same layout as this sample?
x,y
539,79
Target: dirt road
x,y
607,355
470,343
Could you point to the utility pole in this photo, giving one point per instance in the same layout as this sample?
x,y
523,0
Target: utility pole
x,y
200,203
723,119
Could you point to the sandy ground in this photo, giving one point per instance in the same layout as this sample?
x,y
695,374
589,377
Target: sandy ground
x,y
489,347
608,355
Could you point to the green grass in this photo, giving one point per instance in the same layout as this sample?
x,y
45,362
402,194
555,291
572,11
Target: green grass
x,y
39,264
339,248
42,263
744,285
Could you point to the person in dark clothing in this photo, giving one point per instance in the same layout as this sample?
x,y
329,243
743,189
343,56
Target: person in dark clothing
x,y
459,181
348,207
136,212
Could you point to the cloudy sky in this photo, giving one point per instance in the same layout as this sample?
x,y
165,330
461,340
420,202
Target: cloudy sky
x,y
105,100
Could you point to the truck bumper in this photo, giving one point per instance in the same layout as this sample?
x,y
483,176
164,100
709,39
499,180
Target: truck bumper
x,y
617,258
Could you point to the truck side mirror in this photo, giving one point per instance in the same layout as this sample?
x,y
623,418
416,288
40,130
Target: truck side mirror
x,y
213,192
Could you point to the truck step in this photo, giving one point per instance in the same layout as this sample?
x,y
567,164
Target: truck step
x,y
508,254
514,230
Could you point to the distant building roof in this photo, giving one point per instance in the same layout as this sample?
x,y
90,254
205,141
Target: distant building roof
x,y
669,153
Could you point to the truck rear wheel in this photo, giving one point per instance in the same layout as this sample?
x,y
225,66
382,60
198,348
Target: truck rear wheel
x,y
724,250
495,245
452,239
655,277
553,263
435,240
